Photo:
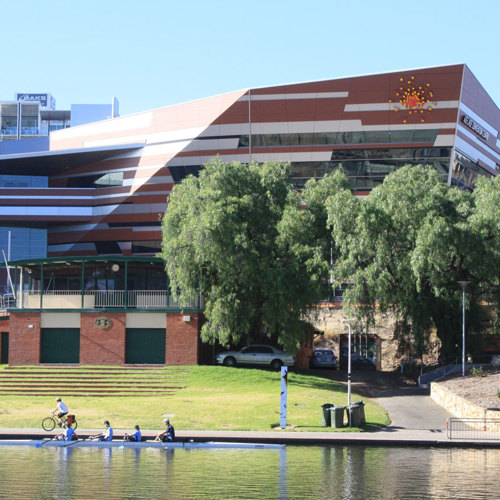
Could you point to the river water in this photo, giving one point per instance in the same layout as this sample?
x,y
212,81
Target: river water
x,y
295,472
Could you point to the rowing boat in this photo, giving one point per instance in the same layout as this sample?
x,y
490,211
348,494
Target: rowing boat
x,y
143,444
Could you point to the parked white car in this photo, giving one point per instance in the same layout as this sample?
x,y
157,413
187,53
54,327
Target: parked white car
x,y
257,355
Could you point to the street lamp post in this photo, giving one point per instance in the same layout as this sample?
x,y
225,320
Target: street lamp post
x,y
463,284
349,322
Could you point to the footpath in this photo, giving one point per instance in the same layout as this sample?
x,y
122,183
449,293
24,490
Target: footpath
x,y
416,420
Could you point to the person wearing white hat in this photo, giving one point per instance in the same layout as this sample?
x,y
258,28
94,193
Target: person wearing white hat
x,y
168,434
61,410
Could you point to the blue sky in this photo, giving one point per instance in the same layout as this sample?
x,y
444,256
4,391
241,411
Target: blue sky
x,y
153,53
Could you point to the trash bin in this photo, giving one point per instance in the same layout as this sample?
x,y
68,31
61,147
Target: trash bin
x,y
356,413
361,411
337,413
326,421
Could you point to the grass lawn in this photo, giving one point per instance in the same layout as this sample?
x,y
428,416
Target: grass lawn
x,y
213,398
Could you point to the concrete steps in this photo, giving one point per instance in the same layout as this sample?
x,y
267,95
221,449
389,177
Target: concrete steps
x,y
85,381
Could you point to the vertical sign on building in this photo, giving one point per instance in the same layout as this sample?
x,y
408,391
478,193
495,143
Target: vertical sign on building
x,y
284,376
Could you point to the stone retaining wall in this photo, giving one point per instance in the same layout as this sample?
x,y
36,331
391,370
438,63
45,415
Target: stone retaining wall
x,y
462,408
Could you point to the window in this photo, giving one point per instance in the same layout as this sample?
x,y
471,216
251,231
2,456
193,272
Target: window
x,y
97,181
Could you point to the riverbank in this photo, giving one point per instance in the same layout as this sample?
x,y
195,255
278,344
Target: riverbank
x,y
389,436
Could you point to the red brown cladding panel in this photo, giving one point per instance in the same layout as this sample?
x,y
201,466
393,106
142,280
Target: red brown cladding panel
x,y
444,83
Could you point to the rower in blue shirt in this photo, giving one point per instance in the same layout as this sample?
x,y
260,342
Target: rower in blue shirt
x,y
135,437
107,435
69,434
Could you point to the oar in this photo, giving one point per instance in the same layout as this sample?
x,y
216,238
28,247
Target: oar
x,y
76,441
38,445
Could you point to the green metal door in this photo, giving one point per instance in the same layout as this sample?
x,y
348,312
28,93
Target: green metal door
x,y
5,348
145,346
60,345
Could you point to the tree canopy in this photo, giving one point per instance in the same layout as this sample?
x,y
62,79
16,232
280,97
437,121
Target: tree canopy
x,y
407,244
239,235
261,253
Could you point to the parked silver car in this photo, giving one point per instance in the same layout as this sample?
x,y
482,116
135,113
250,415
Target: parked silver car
x,y
257,355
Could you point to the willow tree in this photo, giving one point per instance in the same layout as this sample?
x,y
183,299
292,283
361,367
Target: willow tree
x,y
406,245
239,235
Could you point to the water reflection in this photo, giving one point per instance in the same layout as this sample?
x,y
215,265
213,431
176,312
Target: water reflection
x,y
336,472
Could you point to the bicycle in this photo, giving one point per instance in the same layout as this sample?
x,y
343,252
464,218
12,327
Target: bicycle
x,y
49,423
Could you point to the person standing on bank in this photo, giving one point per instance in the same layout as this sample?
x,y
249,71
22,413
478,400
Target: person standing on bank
x,y
61,410
168,434
135,437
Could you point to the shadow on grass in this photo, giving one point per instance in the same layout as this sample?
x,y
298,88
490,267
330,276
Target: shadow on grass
x,y
363,428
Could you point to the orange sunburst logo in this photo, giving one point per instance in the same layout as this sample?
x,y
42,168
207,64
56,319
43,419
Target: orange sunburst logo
x,y
414,99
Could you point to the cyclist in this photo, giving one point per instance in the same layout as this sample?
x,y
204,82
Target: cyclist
x,y
61,410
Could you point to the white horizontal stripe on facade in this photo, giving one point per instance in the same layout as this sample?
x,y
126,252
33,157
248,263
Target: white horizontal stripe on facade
x,y
479,142
129,194
173,136
480,121
163,179
389,106
215,144
47,211
472,152
136,208
119,124
138,169
317,126
97,197
226,129
444,140
54,196
302,95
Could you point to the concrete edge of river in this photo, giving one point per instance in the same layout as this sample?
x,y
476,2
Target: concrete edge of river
x,y
390,436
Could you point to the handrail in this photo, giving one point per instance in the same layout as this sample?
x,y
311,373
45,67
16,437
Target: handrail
x,y
486,428
101,299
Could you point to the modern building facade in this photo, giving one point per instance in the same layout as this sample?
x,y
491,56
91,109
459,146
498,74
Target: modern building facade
x,y
31,116
102,187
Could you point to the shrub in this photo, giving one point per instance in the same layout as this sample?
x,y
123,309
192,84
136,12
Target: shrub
x,y
477,371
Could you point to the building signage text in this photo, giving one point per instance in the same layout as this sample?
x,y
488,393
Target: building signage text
x,y
41,98
474,126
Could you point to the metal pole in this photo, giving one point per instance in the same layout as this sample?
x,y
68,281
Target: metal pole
x,y
463,332
349,366
463,284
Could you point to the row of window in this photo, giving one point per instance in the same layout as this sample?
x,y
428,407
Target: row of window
x,y
362,174
97,180
23,181
333,138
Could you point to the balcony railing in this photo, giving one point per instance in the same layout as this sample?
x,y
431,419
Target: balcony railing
x,y
101,299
